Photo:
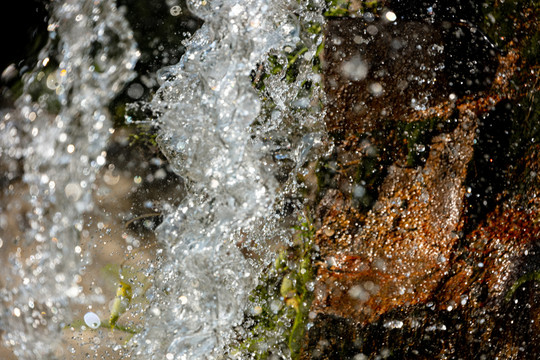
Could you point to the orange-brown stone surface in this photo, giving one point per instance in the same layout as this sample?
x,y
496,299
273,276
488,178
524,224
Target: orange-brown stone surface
x,y
429,214
404,245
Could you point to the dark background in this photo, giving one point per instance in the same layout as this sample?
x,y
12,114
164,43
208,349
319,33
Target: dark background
x,y
23,25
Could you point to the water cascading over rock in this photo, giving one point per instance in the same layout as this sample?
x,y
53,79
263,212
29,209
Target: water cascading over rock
x,y
206,108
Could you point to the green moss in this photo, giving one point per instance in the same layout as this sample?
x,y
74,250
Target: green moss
x,y
342,8
417,135
287,62
337,8
532,276
281,302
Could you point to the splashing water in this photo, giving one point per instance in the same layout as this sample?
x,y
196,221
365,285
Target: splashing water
x,y
217,134
62,155
207,105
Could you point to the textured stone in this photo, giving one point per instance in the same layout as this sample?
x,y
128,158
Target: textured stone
x,y
429,220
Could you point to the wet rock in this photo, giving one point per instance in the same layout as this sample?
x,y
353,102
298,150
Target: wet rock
x,y
443,262
384,69
380,69
404,244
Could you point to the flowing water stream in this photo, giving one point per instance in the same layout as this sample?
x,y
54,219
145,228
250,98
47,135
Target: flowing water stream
x,y
220,134
206,106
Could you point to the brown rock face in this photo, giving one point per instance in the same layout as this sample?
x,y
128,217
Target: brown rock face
x,y
402,250
429,212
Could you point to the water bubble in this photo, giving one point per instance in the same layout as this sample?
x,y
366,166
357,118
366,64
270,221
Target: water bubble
x,y
176,10
369,16
92,320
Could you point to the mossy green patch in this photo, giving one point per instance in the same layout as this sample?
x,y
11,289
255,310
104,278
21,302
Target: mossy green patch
x,y
417,137
337,8
532,276
280,304
342,8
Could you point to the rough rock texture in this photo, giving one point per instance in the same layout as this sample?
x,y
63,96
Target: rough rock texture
x,y
402,249
428,215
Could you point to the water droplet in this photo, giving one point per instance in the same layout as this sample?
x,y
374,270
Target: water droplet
x,y
135,91
155,311
100,160
257,310
176,10
390,16
372,30
73,191
92,320
355,69
358,292
375,88
17,312
393,324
